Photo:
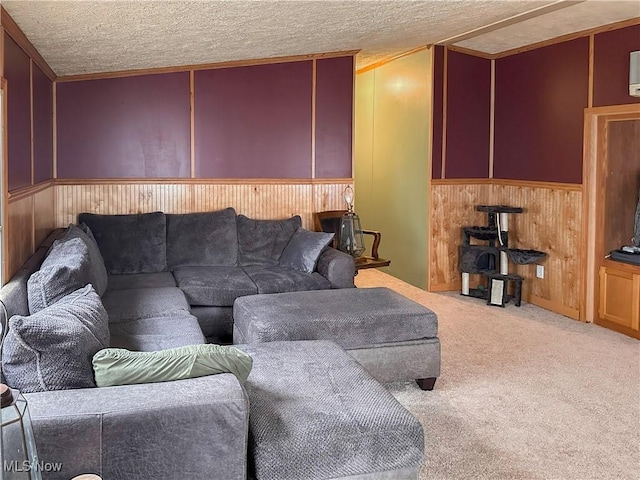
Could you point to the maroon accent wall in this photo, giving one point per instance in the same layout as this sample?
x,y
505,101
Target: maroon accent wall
x,y
254,122
334,113
539,101
133,127
611,66
42,126
468,116
438,83
16,71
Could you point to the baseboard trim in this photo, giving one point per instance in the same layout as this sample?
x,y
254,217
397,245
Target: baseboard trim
x,y
555,307
445,287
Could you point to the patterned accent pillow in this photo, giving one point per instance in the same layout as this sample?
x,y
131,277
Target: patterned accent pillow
x,y
52,349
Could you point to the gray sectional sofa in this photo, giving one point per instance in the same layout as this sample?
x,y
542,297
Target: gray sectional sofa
x,y
169,281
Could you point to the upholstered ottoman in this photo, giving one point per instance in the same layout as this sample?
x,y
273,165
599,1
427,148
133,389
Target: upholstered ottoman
x,y
317,414
393,337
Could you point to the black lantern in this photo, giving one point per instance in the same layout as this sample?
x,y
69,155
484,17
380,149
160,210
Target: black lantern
x,y
351,237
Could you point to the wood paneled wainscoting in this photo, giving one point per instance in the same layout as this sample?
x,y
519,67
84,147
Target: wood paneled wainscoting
x,y
259,198
551,222
29,219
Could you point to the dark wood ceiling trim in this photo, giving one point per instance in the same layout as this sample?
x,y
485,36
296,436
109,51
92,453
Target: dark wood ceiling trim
x,y
13,30
391,59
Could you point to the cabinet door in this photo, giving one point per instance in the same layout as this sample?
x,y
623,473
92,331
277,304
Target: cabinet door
x,y
620,297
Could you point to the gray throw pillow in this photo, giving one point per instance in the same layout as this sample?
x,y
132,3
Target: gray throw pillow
x,y
116,366
99,278
53,349
261,242
66,268
130,243
303,250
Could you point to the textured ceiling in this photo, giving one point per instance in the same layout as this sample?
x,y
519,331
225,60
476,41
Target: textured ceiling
x,y
77,37
582,16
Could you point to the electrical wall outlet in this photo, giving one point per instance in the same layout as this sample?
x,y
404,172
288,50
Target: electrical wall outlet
x,y
540,271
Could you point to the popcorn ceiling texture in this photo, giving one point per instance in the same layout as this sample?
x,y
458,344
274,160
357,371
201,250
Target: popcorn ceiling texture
x,y
582,16
77,37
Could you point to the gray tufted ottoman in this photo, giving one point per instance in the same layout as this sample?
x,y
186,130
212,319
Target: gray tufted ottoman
x,y
316,414
393,337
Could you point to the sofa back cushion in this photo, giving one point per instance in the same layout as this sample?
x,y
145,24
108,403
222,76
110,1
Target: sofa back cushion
x,y
130,243
99,278
66,268
207,239
53,349
261,242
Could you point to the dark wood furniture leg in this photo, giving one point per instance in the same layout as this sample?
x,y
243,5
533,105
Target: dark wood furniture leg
x,y
426,383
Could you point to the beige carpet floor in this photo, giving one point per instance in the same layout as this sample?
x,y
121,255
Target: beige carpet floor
x,y
524,393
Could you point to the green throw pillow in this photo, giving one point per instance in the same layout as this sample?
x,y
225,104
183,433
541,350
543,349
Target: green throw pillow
x,y
117,366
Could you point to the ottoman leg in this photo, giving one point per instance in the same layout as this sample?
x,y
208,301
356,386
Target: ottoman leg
x,y
426,383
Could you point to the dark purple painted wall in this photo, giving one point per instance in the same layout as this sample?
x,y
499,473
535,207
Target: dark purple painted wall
x,y
468,116
611,66
130,127
438,83
16,71
539,102
42,126
334,100
254,122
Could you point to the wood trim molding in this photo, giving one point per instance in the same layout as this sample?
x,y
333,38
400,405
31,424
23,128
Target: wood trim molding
x,y
4,182
314,73
591,70
1,51
461,181
445,287
203,181
204,66
55,131
570,36
29,190
14,31
391,58
31,139
492,117
572,187
618,110
445,80
521,17
469,51
192,126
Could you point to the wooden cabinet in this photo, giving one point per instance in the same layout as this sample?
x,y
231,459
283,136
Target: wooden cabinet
x,y
620,298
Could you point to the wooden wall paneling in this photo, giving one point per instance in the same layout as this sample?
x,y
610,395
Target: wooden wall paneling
x,y
452,207
44,214
18,234
256,200
551,222
330,196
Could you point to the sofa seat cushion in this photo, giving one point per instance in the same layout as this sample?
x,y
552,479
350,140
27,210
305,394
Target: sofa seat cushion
x,y
214,286
141,280
202,239
279,279
136,303
261,242
130,243
157,333
357,429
